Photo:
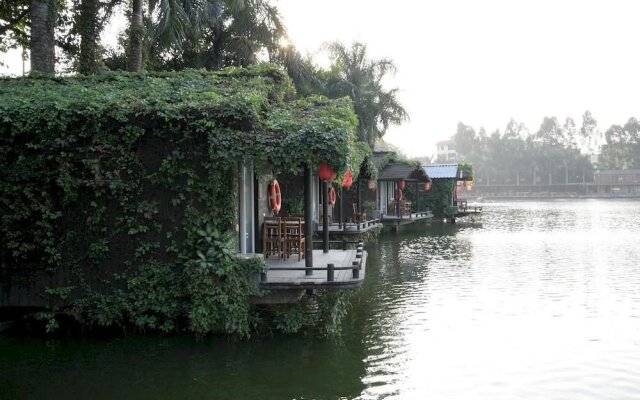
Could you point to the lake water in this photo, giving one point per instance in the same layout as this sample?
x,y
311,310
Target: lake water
x,y
539,301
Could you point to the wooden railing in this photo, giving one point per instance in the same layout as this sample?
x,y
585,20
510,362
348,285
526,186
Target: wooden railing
x,y
355,267
359,225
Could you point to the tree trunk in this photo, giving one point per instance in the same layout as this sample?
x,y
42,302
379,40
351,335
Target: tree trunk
x,y
89,60
42,45
135,38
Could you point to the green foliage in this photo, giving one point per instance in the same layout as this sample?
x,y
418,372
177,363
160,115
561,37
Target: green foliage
x,y
125,184
622,147
467,171
354,74
219,284
439,197
324,311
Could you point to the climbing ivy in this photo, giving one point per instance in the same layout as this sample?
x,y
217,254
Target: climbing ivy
x,y
438,198
122,187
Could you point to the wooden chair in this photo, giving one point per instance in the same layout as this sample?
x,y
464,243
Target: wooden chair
x,y
272,238
358,216
293,237
406,208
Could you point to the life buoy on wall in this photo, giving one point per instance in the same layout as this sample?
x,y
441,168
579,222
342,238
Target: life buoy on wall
x,y
398,194
275,196
332,196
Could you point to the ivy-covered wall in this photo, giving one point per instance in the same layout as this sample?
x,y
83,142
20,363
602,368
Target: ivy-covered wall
x,y
118,191
439,198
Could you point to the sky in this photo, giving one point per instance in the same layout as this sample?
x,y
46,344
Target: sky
x,y
483,62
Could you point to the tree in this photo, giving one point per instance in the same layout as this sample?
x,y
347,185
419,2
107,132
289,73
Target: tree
x,y
550,132
569,133
622,147
42,41
465,139
14,21
135,37
211,34
89,27
590,136
353,74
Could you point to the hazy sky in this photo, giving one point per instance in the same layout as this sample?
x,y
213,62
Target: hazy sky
x,y
486,61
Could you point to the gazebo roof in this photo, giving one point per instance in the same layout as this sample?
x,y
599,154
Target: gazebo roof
x,y
398,170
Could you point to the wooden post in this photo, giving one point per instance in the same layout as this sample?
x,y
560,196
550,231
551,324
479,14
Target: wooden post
x,y
341,210
359,197
308,218
325,217
330,273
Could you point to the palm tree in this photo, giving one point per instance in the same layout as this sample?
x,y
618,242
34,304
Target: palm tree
x,y
353,74
211,34
42,42
135,37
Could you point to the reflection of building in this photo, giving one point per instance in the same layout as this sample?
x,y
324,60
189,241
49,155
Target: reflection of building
x,y
446,151
621,181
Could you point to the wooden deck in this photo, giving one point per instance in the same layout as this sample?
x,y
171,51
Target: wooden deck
x,y
405,219
351,228
290,274
464,209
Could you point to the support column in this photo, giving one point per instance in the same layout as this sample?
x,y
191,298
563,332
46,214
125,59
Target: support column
x,y
325,217
359,197
341,224
308,220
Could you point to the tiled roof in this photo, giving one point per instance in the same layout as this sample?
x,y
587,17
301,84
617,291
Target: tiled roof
x,y
397,171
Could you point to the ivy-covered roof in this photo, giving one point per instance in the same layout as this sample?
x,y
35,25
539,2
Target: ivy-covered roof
x,y
245,113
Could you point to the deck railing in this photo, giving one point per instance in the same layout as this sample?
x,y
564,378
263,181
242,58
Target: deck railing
x,y
355,267
344,226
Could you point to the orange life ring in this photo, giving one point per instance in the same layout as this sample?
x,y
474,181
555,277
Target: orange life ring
x,y
398,194
332,196
275,196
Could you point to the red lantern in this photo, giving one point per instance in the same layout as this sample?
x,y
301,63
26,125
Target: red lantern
x,y
402,184
427,186
326,173
348,179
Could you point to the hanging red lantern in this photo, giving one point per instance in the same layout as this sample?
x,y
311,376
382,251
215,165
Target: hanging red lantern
x,y
348,179
326,173
371,184
402,184
427,186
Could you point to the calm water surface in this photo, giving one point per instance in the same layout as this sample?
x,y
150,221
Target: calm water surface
x,y
540,301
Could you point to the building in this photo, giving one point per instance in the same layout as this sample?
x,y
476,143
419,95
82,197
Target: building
x,y
446,151
623,182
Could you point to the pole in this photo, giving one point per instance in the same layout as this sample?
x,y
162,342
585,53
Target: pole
x,y
341,211
325,217
308,218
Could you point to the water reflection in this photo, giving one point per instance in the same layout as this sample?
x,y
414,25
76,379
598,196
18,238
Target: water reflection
x,y
540,301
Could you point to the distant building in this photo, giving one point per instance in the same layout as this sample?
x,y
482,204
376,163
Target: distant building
x,y
446,151
619,181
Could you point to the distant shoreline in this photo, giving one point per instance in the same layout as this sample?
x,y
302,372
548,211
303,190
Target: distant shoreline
x,y
549,197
